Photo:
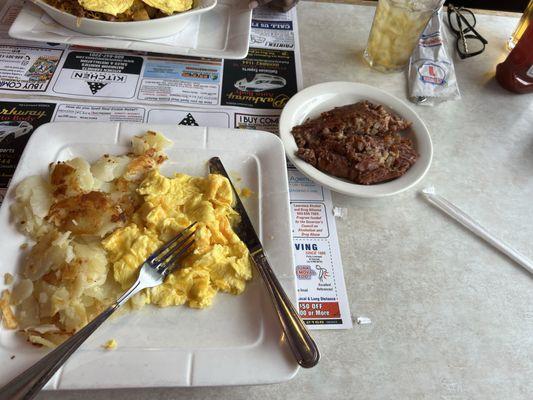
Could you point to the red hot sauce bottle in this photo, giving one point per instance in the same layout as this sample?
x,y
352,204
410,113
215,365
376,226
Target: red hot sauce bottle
x,y
516,72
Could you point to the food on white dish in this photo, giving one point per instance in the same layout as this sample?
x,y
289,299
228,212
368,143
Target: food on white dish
x,y
111,344
359,142
6,314
94,224
8,278
121,10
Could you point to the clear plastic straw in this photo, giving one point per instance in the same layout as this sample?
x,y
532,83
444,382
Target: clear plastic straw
x,y
464,219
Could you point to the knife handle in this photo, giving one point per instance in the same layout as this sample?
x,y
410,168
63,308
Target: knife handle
x,y
300,341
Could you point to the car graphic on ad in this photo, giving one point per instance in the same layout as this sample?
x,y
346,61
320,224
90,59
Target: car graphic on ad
x,y
260,83
10,130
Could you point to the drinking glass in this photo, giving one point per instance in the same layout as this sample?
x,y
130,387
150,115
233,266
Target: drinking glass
x,y
395,32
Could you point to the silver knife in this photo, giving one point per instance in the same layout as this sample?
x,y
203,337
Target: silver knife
x,y
300,341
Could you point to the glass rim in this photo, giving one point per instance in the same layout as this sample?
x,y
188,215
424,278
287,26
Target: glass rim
x,y
434,5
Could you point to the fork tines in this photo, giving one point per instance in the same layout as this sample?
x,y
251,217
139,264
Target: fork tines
x,y
165,258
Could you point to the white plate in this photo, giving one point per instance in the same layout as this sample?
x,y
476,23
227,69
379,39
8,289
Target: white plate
x,y
238,340
310,102
223,32
154,28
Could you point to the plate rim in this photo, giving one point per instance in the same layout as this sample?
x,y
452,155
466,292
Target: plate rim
x,y
329,181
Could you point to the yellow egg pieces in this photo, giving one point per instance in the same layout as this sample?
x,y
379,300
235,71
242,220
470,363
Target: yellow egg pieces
x,y
220,260
170,6
115,7
122,10
94,225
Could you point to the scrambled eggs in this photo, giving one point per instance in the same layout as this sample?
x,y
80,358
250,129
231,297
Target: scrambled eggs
x,y
121,10
93,226
113,7
170,6
220,260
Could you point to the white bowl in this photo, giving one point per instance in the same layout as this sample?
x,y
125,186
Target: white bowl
x,y
310,102
151,29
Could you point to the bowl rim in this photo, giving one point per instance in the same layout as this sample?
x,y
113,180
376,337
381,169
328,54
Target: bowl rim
x,y
309,95
44,5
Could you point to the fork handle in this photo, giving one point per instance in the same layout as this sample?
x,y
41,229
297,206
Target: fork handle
x,y
30,382
26,385
300,341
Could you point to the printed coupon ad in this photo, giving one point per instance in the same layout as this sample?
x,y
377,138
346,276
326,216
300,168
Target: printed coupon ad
x,y
187,81
322,299
17,123
264,79
100,113
272,35
27,69
269,123
99,75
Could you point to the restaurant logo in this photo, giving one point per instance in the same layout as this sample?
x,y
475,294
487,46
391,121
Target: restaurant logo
x,y
432,73
188,120
96,86
431,40
200,75
260,100
304,272
323,273
99,76
42,69
19,114
17,123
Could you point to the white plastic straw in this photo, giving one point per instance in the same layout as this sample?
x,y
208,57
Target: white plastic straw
x,y
464,219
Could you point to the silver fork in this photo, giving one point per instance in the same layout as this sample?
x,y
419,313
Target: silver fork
x,y
153,272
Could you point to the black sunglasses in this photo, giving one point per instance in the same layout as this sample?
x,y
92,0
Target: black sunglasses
x,y
469,42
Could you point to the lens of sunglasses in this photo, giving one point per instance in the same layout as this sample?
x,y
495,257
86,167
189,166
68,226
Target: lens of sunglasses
x,y
473,45
469,16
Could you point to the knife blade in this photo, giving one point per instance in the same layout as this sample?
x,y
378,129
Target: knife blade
x,y
244,230
300,341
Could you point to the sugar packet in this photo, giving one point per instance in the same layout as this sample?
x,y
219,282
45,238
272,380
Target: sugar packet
x,y
431,75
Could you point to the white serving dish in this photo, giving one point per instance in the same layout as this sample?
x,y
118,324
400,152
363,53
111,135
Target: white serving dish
x,y
238,340
312,101
223,32
154,28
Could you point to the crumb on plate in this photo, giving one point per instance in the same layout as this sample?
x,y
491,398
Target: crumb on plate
x,y
8,278
8,318
246,192
110,344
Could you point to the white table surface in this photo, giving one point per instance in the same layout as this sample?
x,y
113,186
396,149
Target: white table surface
x,y
451,318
